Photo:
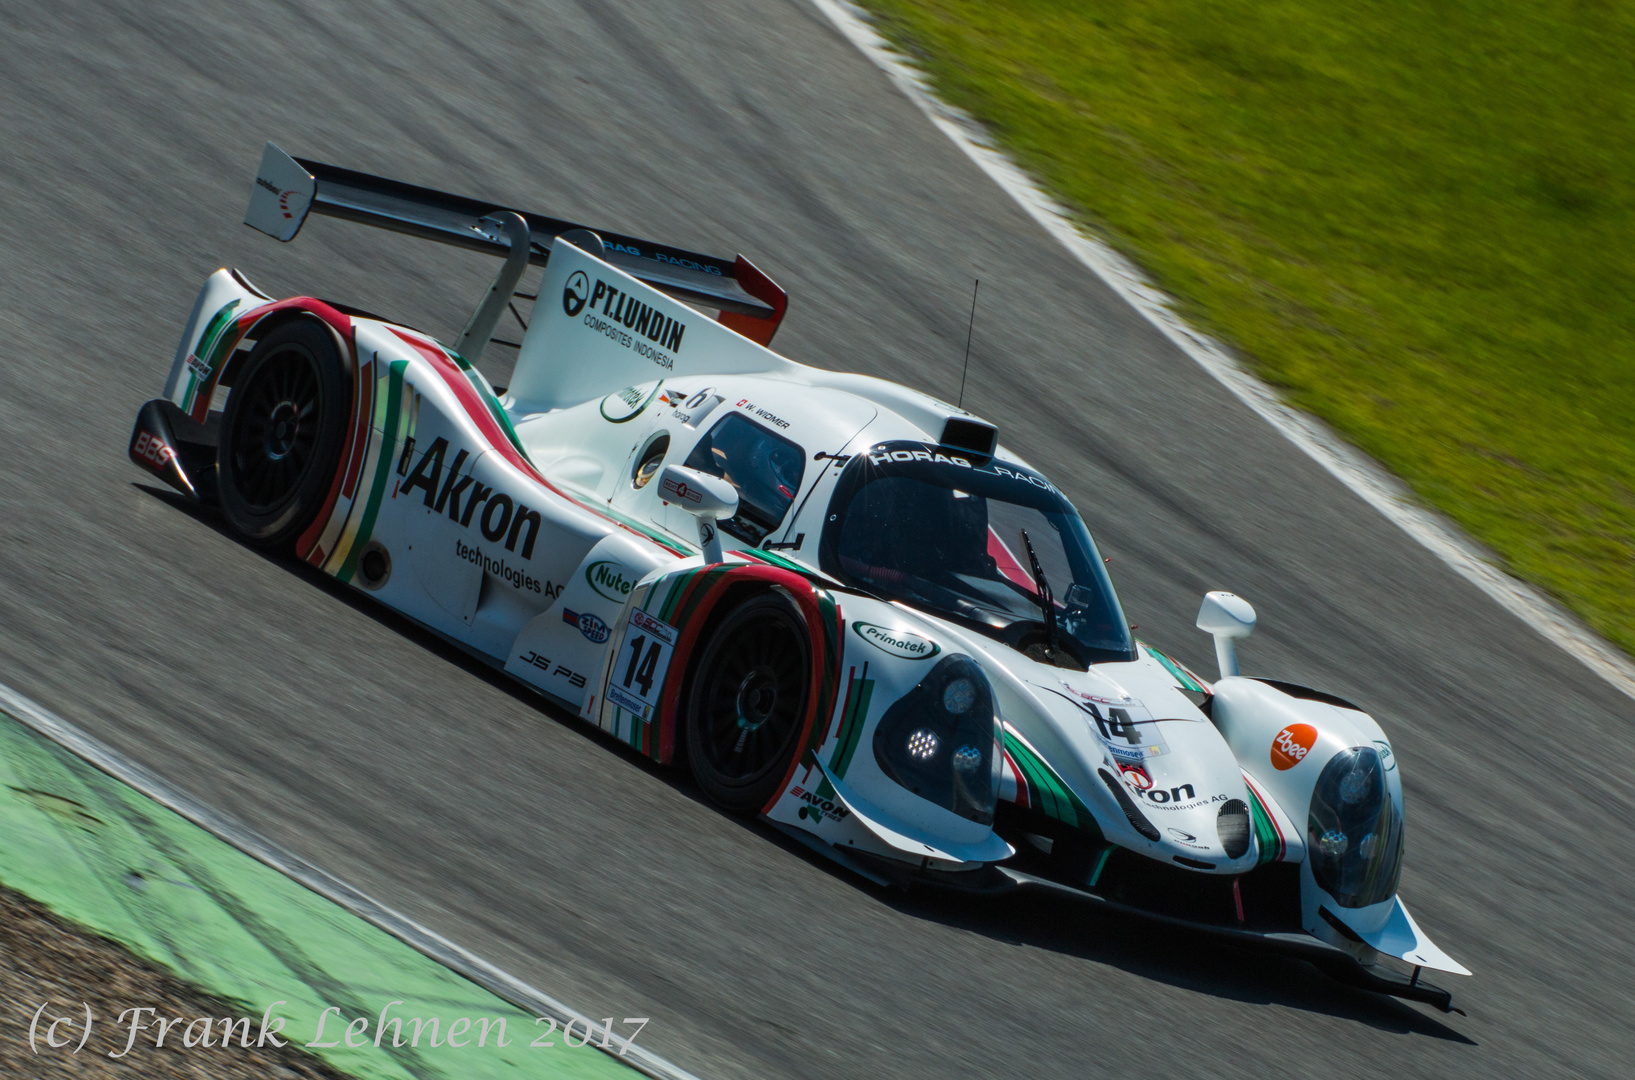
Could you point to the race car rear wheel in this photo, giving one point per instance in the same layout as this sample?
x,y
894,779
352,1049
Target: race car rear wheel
x,y
283,431
748,702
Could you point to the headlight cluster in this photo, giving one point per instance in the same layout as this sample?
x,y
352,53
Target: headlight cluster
x,y
941,740
1353,832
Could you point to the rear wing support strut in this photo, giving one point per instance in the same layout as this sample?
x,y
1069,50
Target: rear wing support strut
x,y
288,189
474,338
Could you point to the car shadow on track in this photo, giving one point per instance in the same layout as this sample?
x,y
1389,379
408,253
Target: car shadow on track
x,y
1175,956
1161,953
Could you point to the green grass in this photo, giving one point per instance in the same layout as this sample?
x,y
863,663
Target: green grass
x,y
1413,217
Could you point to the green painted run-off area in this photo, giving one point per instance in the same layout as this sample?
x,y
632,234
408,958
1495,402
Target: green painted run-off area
x,y
105,856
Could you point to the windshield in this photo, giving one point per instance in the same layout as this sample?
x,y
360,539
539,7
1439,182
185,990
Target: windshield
x,y
914,523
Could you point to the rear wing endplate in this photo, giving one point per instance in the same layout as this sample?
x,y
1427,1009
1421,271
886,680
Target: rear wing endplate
x,y
287,189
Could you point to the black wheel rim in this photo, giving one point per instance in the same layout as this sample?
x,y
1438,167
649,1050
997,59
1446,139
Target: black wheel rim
x,y
276,434
753,700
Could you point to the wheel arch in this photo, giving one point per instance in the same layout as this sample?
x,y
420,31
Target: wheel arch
x,y
265,321
701,598
713,610
325,337
224,358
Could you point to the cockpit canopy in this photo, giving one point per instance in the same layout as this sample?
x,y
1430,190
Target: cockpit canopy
x,y
940,532
765,467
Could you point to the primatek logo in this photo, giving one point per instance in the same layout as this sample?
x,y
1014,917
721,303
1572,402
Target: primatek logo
x,y
896,642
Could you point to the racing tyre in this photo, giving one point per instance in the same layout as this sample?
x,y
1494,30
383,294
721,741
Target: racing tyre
x,y
747,703
283,432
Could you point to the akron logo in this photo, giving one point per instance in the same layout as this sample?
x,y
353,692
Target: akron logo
x,y
575,293
503,520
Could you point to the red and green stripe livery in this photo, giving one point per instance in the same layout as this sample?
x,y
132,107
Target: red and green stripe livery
x,y
1040,787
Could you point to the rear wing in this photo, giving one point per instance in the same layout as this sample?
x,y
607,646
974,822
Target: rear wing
x,y
287,189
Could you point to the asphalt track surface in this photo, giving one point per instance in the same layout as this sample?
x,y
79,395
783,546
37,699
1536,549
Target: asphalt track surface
x,y
128,137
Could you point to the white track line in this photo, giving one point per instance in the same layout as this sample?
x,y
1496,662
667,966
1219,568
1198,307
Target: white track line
x,y
500,983
1351,467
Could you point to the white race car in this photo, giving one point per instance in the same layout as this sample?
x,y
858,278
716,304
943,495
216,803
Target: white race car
x,y
839,601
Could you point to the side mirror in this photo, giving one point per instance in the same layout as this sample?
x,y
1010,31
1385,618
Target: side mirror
x,y
708,498
1225,617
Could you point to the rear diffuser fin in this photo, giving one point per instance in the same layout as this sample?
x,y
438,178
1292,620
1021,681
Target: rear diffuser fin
x,y
178,450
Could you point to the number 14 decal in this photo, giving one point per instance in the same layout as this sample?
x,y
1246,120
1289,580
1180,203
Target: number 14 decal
x,y
642,666
644,657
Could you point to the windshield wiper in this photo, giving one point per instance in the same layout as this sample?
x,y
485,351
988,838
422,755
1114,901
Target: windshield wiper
x,y
1045,599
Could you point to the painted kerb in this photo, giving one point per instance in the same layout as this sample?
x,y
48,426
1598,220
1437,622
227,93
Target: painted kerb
x,y
246,887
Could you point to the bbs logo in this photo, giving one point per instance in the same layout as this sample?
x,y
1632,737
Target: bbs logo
x,y
152,450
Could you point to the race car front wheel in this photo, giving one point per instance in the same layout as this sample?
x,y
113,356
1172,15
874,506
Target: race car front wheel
x,y
748,702
283,431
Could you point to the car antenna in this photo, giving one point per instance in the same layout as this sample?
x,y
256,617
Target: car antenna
x,y
968,329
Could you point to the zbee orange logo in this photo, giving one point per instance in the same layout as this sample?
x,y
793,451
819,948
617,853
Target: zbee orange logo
x,y
1292,745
